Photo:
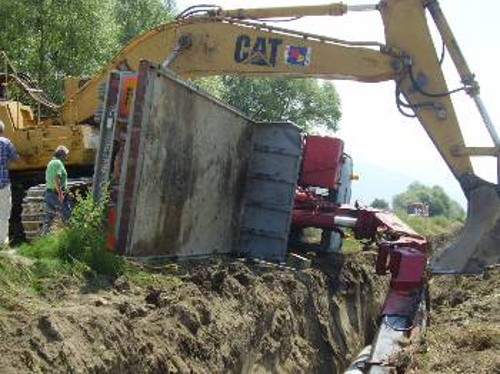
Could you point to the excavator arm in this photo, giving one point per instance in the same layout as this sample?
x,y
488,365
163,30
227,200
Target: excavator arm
x,y
218,42
207,46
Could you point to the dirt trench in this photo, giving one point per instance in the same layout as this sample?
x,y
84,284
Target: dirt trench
x,y
222,316
464,331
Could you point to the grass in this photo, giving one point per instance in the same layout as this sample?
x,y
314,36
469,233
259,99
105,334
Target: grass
x,y
70,254
148,279
13,275
430,226
77,249
41,273
351,245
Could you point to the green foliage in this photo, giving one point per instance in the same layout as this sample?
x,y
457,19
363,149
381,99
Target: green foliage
x,y
144,278
40,271
430,226
440,204
213,85
137,16
85,239
306,102
48,266
52,39
79,248
70,254
47,246
380,204
351,245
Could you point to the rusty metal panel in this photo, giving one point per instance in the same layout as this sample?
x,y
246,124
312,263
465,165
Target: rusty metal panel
x,y
130,164
186,169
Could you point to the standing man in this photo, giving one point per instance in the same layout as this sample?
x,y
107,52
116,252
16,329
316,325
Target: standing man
x,y
7,153
56,189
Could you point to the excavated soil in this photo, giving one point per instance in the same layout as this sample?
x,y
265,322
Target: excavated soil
x,y
464,334
240,317
218,316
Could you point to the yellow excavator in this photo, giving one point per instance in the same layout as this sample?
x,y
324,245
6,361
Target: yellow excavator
x,y
209,40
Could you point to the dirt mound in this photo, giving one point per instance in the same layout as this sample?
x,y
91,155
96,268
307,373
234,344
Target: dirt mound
x,y
464,335
211,317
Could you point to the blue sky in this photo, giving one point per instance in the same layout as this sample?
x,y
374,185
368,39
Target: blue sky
x,y
374,131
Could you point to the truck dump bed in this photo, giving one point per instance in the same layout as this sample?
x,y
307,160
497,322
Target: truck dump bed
x,y
186,177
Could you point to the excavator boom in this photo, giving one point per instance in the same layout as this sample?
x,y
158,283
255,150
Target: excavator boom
x,y
207,46
214,41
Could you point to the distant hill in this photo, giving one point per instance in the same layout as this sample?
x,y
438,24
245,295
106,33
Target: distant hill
x,y
377,182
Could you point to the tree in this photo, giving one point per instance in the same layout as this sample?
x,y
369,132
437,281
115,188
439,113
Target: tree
x,y
440,204
380,204
52,39
214,85
306,102
137,16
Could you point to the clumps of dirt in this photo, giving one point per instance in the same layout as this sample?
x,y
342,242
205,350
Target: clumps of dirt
x,y
479,338
402,360
224,316
464,335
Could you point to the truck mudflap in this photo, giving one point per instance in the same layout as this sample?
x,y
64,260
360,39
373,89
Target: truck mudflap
x,y
478,245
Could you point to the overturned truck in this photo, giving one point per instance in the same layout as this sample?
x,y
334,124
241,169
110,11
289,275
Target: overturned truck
x,y
190,177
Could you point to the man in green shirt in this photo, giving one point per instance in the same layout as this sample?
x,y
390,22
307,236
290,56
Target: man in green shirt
x,y
56,189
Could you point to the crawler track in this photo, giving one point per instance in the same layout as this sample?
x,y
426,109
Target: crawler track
x,y
33,206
